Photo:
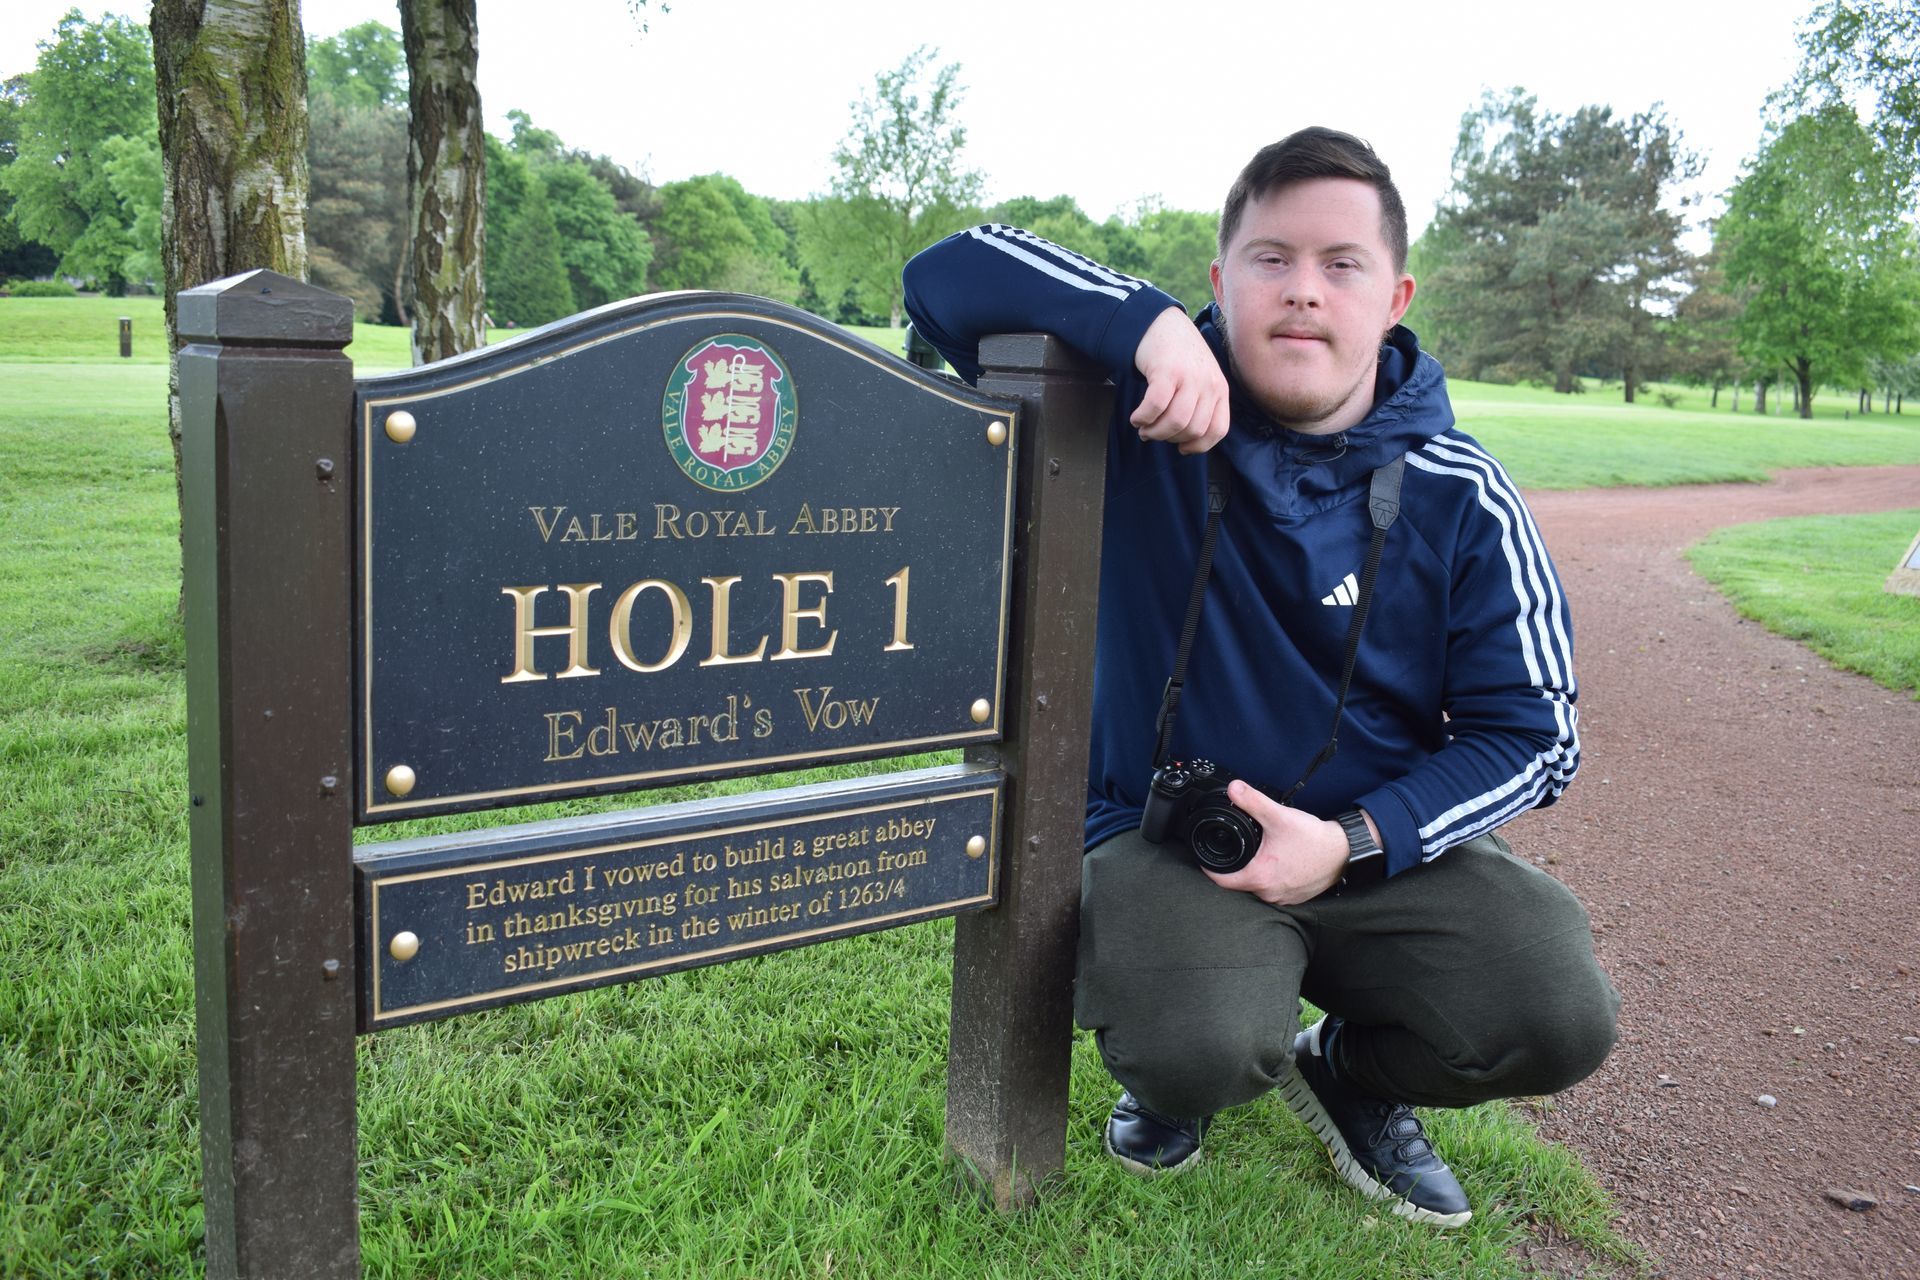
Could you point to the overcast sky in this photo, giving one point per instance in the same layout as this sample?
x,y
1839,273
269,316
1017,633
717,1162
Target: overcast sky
x,y
1107,102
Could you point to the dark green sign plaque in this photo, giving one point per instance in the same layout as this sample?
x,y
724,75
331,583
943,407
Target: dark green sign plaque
x,y
458,923
671,539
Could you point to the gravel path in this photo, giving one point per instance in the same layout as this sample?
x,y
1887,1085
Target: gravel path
x,y
1744,831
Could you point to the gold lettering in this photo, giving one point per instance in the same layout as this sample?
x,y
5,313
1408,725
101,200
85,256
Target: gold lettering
x,y
598,534
601,740
899,582
627,525
803,523
555,732
791,613
574,532
722,589
525,633
620,626
663,523
545,525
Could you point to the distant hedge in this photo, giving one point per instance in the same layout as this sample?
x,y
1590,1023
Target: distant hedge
x,y
41,289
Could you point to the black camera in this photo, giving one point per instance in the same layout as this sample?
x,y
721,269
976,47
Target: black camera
x,y
1187,803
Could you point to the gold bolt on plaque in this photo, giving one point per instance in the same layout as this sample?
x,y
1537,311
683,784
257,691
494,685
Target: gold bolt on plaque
x,y
976,846
997,433
981,710
405,946
400,427
400,780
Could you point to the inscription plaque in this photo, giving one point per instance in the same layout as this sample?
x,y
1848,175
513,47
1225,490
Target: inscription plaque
x,y
671,539
452,924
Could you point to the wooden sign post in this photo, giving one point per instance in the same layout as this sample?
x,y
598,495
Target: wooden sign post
x,y
692,536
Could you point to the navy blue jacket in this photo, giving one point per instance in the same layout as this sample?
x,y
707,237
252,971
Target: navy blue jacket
x,y
1461,712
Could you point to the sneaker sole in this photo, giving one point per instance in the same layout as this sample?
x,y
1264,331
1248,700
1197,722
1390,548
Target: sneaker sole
x,y
1142,1170
1302,1102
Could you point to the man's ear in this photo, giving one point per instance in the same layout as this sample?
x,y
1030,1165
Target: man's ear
x,y
1213,274
1402,298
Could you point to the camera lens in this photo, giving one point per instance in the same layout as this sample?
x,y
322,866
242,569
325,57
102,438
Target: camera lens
x,y
1224,842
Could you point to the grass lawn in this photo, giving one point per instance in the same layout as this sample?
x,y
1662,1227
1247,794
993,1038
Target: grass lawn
x,y
1820,580
779,1116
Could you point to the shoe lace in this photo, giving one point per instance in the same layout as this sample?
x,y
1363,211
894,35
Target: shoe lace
x,y
1397,1124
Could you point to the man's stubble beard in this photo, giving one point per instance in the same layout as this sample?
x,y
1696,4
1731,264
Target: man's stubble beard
x,y
1294,413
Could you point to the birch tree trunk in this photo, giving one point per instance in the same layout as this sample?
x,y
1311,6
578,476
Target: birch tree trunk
x,y
446,177
231,80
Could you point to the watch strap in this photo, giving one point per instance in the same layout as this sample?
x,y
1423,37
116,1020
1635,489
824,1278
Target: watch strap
x,y
1366,860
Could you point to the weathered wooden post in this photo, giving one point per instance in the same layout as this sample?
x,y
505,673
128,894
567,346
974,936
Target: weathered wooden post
x,y
1012,1021
266,404
126,337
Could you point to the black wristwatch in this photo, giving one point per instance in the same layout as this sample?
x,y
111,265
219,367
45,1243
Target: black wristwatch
x,y
1366,860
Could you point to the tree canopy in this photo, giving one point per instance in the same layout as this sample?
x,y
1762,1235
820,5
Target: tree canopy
x,y
1558,239
900,185
1871,48
93,82
1815,229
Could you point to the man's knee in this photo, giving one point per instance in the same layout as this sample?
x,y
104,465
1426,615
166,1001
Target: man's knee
x,y
1550,1045
1192,1062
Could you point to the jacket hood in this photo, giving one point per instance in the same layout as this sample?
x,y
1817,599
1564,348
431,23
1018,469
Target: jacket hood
x,y
1309,472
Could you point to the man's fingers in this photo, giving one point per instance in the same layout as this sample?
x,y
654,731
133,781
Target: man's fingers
x,y
1153,403
1211,431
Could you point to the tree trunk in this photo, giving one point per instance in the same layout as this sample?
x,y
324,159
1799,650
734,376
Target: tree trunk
x,y
1563,380
446,177
1760,397
1628,382
231,81
1803,388
1716,396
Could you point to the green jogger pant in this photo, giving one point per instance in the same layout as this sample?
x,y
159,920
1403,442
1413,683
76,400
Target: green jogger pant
x,y
1464,979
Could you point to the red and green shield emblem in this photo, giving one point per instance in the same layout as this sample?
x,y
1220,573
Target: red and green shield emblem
x,y
729,413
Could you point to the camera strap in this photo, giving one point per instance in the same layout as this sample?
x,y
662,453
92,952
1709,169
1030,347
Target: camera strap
x,y
1383,508
1219,489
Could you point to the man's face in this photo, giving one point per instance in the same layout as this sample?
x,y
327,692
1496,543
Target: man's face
x,y
1309,289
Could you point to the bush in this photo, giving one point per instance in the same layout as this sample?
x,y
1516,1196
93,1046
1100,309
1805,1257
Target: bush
x,y
41,289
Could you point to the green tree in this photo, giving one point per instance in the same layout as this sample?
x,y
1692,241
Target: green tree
x,y
605,252
1816,229
715,234
527,282
1177,248
357,214
136,175
363,66
1703,340
1563,246
19,255
901,185
1896,379
93,81
1871,49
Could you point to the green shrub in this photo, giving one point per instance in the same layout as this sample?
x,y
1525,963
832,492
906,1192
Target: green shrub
x,y
41,289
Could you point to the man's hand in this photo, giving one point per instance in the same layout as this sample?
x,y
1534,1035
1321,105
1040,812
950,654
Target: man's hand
x,y
1186,399
1300,856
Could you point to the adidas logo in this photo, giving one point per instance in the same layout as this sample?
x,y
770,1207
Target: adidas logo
x,y
1345,594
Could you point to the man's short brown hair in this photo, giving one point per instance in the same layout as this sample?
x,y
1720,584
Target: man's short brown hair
x,y
1318,152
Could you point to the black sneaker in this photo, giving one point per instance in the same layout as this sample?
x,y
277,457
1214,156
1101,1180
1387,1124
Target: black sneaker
x,y
1148,1143
1377,1147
